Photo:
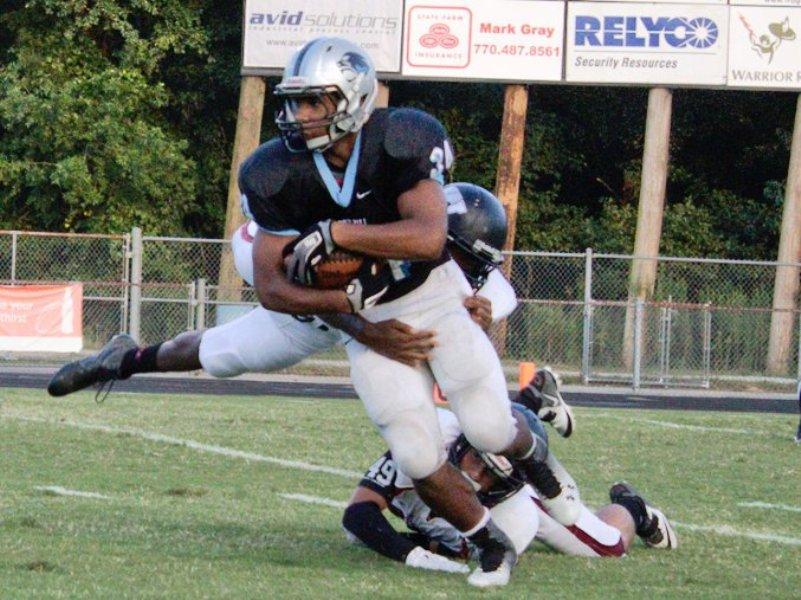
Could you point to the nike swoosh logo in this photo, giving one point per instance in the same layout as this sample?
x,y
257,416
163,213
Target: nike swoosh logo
x,y
363,194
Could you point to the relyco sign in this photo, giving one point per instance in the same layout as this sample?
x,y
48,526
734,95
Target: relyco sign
x,y
627,43
473,39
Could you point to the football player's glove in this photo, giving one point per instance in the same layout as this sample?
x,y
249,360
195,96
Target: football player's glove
x,y
424,559
312,246
371,282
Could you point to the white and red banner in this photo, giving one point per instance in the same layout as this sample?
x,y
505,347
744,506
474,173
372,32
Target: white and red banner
x,y
41,318
274,29
506,40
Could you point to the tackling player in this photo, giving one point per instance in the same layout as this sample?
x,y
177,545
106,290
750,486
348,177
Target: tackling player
x,y
432,543
265,341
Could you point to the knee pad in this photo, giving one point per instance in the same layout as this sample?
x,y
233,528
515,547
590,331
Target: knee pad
x,y
489,428
217,357
416,448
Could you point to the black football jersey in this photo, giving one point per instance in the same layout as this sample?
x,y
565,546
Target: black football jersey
x,y
285,193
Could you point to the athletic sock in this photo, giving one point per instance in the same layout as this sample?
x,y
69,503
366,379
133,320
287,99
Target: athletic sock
x,y
643,526
527,398
139,360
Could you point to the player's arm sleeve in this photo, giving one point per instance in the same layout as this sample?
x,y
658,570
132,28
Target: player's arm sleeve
x,y
261,182
365,520
418,145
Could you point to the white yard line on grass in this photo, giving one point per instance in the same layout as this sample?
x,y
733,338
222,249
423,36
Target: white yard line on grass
x,y
672,425
732,532
315,500
724,530
756,504
62,491
174,441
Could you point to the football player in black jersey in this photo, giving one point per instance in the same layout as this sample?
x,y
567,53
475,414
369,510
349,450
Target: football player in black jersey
x,y
342,176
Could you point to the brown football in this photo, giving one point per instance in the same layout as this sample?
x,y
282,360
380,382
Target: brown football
x,y
337,271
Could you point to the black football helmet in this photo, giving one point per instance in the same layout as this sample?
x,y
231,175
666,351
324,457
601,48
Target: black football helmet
x,y
476,230
509,478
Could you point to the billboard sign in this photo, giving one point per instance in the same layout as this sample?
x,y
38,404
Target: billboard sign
x,y
505,40
765,47
274,29
646,43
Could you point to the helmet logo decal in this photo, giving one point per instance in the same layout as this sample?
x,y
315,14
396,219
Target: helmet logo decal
x,y
352,65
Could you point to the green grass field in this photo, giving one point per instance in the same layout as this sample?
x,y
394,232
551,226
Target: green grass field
x,y
204,519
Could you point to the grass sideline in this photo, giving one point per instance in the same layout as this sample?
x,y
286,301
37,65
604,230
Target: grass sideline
x,y
189,522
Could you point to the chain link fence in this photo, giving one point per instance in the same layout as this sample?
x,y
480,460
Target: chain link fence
x,y
708,321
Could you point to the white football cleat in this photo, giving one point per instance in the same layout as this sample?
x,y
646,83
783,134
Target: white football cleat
x,y
421,558
664,537
554,410
496,557
496,578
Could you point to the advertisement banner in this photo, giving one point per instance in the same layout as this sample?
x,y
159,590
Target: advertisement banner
x,y
274,29
41,318
671,1
773,3
505,40
646,43
764,47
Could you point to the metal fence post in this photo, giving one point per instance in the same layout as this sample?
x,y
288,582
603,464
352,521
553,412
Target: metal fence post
x,y
200,295
13,256
586,335
135,323
707,356
638,314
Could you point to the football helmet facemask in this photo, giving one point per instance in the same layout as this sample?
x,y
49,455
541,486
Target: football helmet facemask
x,y
508,480
476,230
326,67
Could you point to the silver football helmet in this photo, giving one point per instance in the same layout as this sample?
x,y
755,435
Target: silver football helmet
x,y
332,67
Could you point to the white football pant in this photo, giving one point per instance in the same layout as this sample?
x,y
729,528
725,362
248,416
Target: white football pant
x,y
398,398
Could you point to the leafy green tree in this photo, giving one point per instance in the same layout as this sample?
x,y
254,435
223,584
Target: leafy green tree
x,y
86,144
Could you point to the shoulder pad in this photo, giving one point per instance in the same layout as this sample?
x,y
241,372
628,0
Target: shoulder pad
x,y
264,172
412,133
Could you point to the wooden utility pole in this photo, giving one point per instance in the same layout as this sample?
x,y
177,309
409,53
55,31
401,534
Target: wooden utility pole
x,y
246,140
785,287
507,180
510,157
642,276
382,101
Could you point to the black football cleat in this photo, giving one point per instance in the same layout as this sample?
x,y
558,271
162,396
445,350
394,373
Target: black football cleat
x,y
97,368
657,532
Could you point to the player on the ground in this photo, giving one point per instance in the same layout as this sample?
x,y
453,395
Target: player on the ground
x,y
433,543
344,176
264,341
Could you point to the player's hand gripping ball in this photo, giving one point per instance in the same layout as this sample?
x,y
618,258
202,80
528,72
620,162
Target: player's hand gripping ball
x,y
315,261
337,270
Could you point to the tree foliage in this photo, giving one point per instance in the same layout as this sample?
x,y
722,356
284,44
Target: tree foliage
x,y
115,113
